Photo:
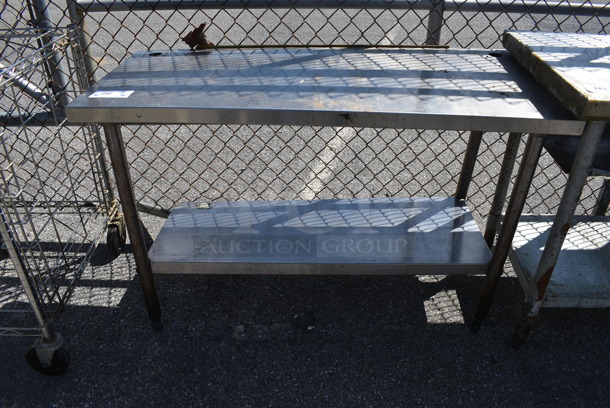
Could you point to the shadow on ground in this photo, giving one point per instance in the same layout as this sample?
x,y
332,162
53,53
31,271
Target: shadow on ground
x,y
231,341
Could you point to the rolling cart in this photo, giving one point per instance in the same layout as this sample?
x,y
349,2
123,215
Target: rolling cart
x,y
56,200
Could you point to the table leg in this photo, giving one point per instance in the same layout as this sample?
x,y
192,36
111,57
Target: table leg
x,y
470,160
524,178
506,173
581,168
603,199
120,166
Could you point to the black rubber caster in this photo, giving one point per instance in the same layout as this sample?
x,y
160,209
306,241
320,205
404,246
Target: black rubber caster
x,y
523,329
116,236
48,360
304,320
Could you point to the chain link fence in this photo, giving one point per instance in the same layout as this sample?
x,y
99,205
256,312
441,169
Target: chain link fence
x,y
171,164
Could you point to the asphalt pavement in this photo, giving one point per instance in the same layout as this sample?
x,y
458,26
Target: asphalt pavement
x,y
308,341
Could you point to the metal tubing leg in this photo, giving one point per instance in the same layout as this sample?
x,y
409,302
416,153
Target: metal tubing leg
x,y
120,166
27,87
561,224
527,169
603,199
78,18
59,80
435,22
26,280
153,210
470,160
506,173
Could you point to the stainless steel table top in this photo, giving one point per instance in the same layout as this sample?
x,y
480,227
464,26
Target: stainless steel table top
x,y
396,88
575,67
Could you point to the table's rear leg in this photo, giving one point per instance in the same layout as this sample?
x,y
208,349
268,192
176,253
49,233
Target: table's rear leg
x,y
603,199
499,199
470,160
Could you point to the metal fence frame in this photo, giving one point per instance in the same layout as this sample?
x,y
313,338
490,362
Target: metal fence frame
x,y
436,8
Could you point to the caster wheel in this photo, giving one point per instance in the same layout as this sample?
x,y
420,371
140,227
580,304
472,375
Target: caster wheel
x,y
523,329
115,238
59,362
304,320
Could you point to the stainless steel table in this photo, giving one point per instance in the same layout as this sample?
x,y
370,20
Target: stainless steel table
x,y
476,91
575,68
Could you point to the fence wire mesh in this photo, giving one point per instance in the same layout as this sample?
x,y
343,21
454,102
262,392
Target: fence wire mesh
x,y
171,164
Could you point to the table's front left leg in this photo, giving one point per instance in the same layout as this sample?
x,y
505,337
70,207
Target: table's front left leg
x,y
120,166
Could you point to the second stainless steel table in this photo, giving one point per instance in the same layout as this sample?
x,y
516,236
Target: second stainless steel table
x,y
576,69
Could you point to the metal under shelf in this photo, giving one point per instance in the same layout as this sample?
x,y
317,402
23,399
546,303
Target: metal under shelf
x,y
350,236
581,277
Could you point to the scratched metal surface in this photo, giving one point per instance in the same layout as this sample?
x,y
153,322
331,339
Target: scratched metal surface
x,y
574,67
399,88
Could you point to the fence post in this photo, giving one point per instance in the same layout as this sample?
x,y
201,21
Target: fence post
x,y
435,22
77,17
59,80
